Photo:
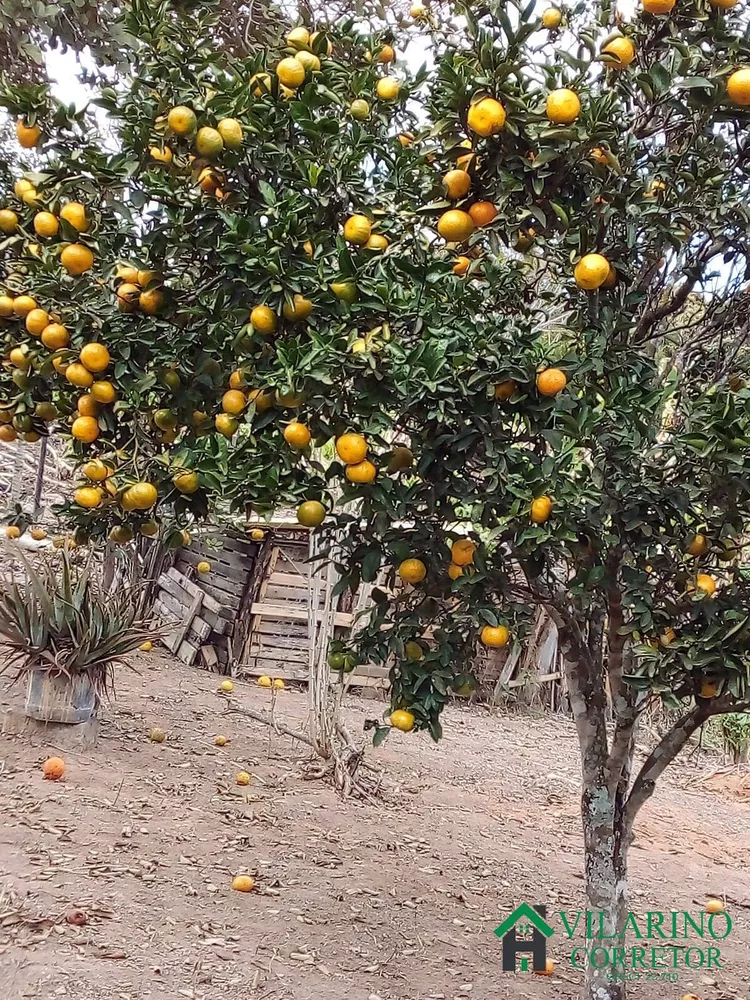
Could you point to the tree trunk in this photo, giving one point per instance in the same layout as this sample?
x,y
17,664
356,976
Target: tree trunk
x,y
605,847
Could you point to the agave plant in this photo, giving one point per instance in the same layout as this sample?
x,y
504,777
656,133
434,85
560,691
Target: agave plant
x,y
60,620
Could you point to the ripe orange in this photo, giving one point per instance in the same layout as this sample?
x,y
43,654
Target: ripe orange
x,y
387,54
486,117
715,906
95,357
182,120
36,321
8,221
298,38
357,229
495,635
278,684
260,84
551,18
77,259
462,552
262,398
220,740
298,310
208,143
377,242
233,402
203,567
309,60
351,448
482,213
361,472
142,495
257,534
706,583
55,336
264,682
461,265
237,380
186,482
297,435
104,392
96,470
455,226
455,571
226,424
541,508
87,406
548,969
22,305
412,571
738,86
6,306
75,213
20,359
388,88
151,301
79,375
27,135
698,545
7,433
263,320
456,184
12,531
242,778
159,155
127,297
403,720
53,768
591,271
551,381
563,106
88,496
291,72
658,6
243,883
311,513
85,429
618,53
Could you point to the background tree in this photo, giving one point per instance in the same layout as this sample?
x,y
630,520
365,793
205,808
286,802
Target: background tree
x,y
465,277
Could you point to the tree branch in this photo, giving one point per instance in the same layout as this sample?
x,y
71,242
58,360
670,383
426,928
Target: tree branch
x,y
667,749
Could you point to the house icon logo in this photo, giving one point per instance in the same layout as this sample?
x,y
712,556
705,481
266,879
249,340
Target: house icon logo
x,y
525,932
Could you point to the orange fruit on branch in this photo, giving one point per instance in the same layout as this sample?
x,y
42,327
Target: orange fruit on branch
x,y
482,213
550,381
563,106
495,635
297,435
591,271
361,472
541,508
351,448
412,571
75,214
77,259
402,720
85,429
95,357
455,226
486,117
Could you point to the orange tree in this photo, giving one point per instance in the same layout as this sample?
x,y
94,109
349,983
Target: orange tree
x,y
470,280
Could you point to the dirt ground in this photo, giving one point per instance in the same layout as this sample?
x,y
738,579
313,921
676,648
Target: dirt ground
x,y
355,902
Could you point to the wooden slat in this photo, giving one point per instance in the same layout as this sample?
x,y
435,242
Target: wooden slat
x,y
235,568
199,628
287,579
279,653
278,595
229,603
187,653
285,613
189,586
531,679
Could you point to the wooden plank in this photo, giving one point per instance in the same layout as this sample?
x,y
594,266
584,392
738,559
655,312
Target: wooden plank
x,y
187,653
228,603
208,657
287,579
234,568
170,586
531,679
193,611
279,653
191,588
285,613
280,595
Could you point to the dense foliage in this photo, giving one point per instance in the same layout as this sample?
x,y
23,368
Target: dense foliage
x,y
503,371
